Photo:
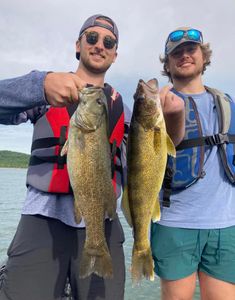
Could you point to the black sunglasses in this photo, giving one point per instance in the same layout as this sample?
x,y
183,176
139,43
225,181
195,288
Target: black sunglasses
x,y
92,38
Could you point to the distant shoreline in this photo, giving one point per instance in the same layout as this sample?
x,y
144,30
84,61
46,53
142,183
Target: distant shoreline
x,y
11,159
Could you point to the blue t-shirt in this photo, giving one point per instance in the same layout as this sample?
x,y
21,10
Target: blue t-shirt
x,y
210,202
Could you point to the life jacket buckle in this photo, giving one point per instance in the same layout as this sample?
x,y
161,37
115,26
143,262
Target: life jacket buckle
x,y
166,197
217,139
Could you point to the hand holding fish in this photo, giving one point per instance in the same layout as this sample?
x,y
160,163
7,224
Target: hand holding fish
x,y
61,89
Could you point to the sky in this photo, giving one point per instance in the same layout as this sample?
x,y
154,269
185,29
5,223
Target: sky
x,y
41,35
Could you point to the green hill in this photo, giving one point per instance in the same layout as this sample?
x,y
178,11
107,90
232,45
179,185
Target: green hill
x,y
10,159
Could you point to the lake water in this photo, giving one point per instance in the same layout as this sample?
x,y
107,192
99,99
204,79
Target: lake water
x,y
12,193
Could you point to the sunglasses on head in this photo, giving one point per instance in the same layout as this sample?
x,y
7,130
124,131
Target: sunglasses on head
x,y
190,34
92,38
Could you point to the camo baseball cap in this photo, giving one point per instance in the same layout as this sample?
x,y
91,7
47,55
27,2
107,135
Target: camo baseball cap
x,y
182,35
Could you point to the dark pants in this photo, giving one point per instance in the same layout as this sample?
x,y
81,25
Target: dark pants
x,y
45,252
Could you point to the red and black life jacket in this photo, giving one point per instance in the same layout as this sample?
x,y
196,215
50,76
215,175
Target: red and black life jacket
x,y
47,169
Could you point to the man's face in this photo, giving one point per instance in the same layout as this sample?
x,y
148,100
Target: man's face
x,y
186,61
96,58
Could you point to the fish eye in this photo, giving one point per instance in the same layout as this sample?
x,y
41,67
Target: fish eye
x,y
99,101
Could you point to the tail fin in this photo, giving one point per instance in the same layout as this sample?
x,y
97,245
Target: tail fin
x,y
142,265
96,261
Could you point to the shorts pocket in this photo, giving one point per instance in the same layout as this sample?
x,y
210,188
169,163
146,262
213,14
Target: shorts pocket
x,y
166,241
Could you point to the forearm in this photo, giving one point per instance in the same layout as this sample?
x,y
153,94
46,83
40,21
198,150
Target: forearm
x,y
174,114
22,93
175,125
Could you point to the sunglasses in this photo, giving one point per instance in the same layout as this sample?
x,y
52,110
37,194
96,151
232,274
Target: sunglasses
x,y
191,34
92,38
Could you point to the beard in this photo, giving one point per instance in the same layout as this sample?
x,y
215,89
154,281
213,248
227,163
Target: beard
x,y
182,76
93,68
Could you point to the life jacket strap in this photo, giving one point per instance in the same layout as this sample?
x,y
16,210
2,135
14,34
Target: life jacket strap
x,y
115,152
167,189
62,139
37,160
45,143
213,140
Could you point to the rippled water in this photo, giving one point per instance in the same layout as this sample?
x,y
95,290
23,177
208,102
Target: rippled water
x,y
12,193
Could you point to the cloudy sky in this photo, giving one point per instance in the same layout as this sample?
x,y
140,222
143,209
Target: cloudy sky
x,y
41,35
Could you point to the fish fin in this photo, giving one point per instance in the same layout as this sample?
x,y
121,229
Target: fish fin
x,y
126,207
142,265
96,261
170,147
77,212
156,214
65,148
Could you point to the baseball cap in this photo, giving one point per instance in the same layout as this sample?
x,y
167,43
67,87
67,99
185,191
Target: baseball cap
x,y
182,35
94,21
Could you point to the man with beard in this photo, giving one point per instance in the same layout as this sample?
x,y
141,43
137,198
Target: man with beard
x,y
196,234
48,244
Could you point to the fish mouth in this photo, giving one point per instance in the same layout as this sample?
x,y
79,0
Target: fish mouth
x,y
90,90
150,86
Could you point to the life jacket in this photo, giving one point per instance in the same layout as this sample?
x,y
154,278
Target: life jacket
x,y
187,167
47,170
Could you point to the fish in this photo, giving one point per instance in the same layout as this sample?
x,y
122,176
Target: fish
x,y
89,169
147,148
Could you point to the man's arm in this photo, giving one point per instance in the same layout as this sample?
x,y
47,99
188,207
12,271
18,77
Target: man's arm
x,y
174,114
22,93
37,89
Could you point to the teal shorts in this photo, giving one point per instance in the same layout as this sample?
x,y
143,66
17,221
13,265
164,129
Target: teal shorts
x,y
179,252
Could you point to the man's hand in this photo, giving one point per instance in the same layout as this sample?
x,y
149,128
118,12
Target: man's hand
x,y
171,103
174,114
61,89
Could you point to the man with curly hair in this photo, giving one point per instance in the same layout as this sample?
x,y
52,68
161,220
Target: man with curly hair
x,y
195,237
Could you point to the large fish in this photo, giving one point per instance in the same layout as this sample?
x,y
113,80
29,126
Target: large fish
x,y
89,168
147,149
